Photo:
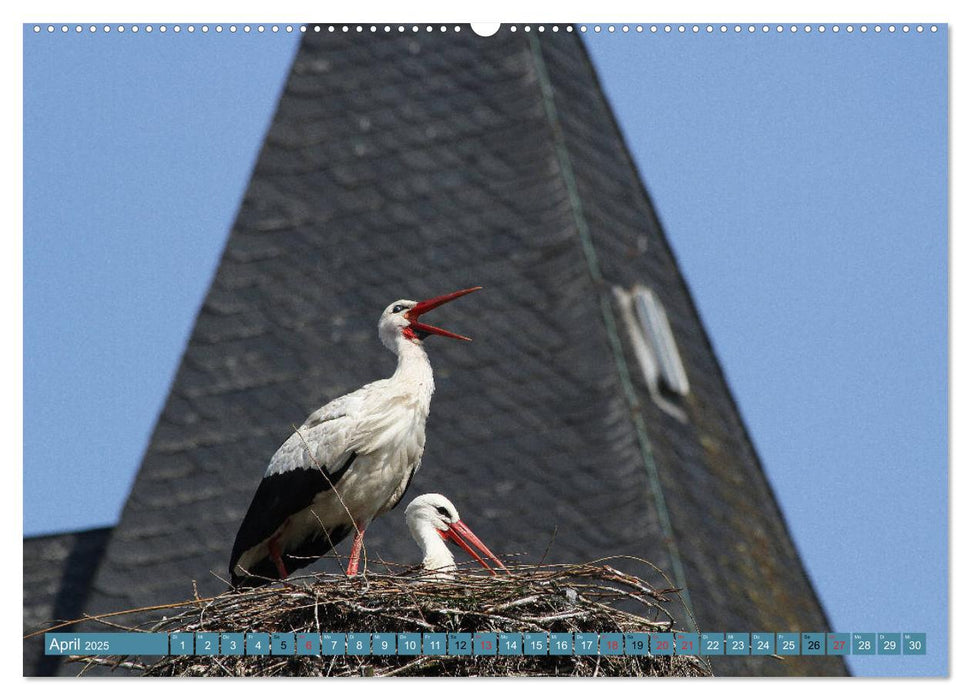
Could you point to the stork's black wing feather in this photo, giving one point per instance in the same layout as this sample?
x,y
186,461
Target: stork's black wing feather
x,y
277,498
309,551
411,477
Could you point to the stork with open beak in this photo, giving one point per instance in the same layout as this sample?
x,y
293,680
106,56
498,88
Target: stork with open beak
x,y
350,461
432,520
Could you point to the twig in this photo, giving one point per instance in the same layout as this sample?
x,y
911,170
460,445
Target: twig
x,y
530,599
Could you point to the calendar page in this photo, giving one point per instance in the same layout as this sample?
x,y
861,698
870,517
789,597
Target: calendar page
x,y
518,349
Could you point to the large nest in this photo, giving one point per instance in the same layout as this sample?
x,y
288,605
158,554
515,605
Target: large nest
x,y
553,598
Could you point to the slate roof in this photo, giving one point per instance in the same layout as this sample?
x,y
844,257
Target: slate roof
x,y
413,165
58,570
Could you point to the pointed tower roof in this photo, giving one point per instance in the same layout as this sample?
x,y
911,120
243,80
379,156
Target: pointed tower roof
x,y
410,165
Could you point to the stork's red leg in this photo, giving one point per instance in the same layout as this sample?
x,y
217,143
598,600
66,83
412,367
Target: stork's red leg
x,y
276,558
352,565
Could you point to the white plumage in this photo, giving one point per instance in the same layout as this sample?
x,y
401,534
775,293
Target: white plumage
x,y
432,519
349,462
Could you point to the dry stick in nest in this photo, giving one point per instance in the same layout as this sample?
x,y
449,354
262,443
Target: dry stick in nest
x,y
569,598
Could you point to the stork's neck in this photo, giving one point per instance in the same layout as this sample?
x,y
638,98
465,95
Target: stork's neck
x,y
414,371
436,556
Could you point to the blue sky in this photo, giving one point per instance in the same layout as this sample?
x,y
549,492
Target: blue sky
x,y
802,183
800,179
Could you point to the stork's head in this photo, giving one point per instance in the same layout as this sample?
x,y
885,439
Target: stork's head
x,y
400,319
433,512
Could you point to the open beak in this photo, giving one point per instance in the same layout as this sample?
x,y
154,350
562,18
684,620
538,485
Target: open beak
x,y
461,535
429,304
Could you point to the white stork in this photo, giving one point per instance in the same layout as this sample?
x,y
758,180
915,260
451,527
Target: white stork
x,y
432,519
350,461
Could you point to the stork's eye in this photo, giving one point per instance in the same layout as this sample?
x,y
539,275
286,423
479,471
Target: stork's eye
x,y
398,308
442,510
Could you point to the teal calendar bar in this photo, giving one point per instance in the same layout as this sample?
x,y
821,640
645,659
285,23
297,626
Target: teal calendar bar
x,y
662,644
915,643
686,644
637,643
561,643
308,644
181,644
864,643
585,643
888,643
333,644
433,644
257,644
763,643
383,643
838,643
485,644
488,644
104,643
535,643
409,643
511,644
611,644
459,644
207,643
713,644
737,643
282,644
813,643
787,644
358,644
231,644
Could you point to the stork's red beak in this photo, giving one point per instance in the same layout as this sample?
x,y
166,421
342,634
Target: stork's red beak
x,y
461,535
429,304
